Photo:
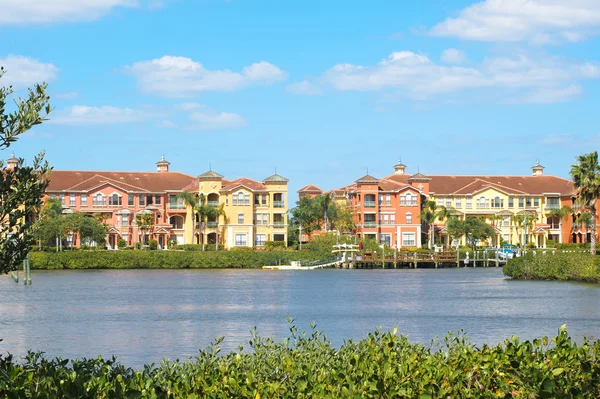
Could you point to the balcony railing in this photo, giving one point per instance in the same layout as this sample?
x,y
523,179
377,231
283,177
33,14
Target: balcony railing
x,y
369,204
369,225
213,203
212,225
176,206
278,225
552,206
278,204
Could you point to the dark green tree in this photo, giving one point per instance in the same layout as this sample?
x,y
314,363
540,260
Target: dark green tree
x,y
586,176
21,187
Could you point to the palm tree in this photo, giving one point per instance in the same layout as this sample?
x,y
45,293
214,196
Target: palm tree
x,y
586,176
560,213
428,217
190,200
325,208
216,212
145,222
430,213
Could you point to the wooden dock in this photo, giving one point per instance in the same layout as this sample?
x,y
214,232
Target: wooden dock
x,y
414,260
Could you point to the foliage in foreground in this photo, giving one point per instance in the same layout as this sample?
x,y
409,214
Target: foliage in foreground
x,y
143,259
21,188
383,365
561,266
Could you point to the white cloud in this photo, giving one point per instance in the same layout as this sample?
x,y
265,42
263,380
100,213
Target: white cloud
x,y
20,12
454,57
534,80
183,77
22,72
204,118
304,88
537,21
189,116
106,115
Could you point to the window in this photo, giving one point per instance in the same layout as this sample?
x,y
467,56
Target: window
x,y
482,202
408,239
528,202
506,238
83,199
409,218
278,237
240,218
260,239
511,202
506,221
261,219
149,199
142,200
468,202
381,199
125,220
521,202
388,199
402,200
458,202
240,240
264,199
440,201
385,239
392,219
448,202
131,200
157,199
62,198
99,200
238,199
115,200
553,203
52,196
498,202
536,202
72,199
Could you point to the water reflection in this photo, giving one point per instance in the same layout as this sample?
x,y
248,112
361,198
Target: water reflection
x,y
144,316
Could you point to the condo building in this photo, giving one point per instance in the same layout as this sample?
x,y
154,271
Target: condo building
x,y
388,209
254,212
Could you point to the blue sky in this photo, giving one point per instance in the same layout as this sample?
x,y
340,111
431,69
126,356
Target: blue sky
x,y
320,90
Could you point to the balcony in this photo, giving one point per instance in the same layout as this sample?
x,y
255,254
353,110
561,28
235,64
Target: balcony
x,y
369,225
369,204
279,225
176,206
212,225
552,206
278,204
214,204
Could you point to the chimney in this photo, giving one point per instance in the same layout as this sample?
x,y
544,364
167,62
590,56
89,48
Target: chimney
x,y
162,165
12,162
537,169
399,168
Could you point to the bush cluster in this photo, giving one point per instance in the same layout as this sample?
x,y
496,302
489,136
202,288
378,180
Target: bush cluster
x,y
144,259
306,365
560,266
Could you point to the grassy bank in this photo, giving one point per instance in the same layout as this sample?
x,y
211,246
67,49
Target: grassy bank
x,y
383,365
164,259
562,266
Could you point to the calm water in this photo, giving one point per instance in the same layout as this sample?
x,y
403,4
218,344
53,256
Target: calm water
x,y
144,316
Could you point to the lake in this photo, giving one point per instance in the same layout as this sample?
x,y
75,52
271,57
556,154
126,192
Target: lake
x,y
143,316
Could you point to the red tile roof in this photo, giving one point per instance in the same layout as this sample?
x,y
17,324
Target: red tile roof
x,y
310,188
243,181
151,182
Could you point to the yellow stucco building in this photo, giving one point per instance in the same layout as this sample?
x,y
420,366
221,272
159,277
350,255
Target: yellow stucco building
x,y
254,212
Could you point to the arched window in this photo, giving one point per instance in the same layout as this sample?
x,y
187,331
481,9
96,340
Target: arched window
x,y
497,202
482,201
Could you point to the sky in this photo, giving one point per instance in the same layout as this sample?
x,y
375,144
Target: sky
x,y
319,91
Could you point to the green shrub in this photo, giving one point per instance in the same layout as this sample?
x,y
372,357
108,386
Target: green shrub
x,y
153,245
306,365
164,259
579,266
121,243
274,245
137,245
